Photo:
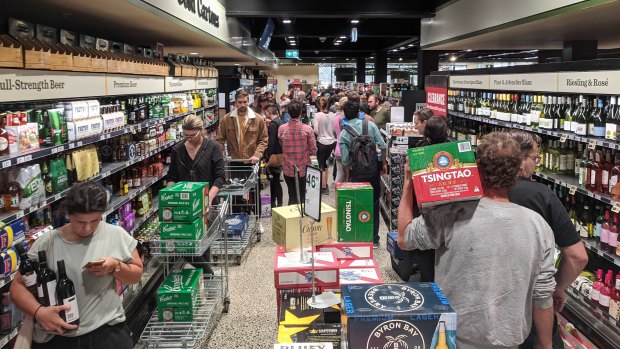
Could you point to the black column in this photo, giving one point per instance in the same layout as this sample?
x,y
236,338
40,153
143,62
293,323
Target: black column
x,y
579,50
428,61
549,56
360,70
380,67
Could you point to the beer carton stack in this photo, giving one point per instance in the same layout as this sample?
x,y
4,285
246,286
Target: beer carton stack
x,y
356,263
444,173
178,298
410,315
183,215
285,227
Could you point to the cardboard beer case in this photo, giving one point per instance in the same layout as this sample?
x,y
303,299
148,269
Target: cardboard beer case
x,y
359,276
444,173
349,250
355,212
285,227
409,314
180,289
392,245
295,311
357,263
192,196
181,230
316,332
289,272
175,314
236,224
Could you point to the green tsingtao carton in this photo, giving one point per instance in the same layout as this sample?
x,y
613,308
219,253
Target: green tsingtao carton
x,y
355,212
181,230
180,289
175,314
183,201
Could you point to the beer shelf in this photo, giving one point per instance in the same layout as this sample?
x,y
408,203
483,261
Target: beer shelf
x,y
594,246
106,171
18,159
4,340
589,319
187,335
119,201
570,136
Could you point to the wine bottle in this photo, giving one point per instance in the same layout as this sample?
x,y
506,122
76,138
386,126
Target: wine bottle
x,y
612,240
581,128
604,235
598,119
614,305
596,287
46,282
606,290
611,123
27,270
66,296
568,115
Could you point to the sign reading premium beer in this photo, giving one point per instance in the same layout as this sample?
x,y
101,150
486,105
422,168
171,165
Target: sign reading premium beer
x,y
545,82
133,84
472,82
444,173
394,316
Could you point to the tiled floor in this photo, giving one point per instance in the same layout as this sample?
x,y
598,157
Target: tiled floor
x,y
252,320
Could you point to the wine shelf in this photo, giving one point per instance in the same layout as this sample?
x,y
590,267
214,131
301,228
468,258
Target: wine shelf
x,y
598,322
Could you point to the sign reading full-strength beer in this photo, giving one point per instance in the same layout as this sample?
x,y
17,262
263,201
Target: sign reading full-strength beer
x,y
444,173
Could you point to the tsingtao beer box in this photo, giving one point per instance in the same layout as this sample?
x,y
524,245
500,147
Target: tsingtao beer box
x,y
285,227
409,315
292,273
355,212
444,173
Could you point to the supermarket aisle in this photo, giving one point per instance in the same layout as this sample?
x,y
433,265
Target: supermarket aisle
x,y
252,320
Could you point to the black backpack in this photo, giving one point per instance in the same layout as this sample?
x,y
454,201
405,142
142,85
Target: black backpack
x,y
363,153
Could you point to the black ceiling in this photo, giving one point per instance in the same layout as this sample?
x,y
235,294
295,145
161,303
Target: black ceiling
x,y
384,25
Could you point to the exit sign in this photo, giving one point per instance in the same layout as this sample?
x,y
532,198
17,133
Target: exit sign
x,y
292,53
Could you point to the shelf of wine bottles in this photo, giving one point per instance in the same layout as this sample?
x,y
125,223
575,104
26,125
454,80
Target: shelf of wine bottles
x,y
106,171
598,321
4,340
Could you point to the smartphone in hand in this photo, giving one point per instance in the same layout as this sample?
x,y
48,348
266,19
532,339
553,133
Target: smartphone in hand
x,y
94,263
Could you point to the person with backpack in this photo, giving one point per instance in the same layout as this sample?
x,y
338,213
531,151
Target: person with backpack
x,y
358,147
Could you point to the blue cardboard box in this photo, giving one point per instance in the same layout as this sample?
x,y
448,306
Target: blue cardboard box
x,y
235,225
411,315
392,245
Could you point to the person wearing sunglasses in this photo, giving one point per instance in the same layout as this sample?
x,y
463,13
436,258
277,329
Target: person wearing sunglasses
x,y
197,159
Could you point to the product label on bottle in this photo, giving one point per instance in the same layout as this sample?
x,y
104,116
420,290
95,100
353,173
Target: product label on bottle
x,y
604,235
605,177
583,230
514,118
567,126
51,291
40,293
583,176
593,177
563,162
598,229
604,300
613,180
595,294
72,314
614,309
30,280
610,131
535,116
599,131
591,129
546,123
581,129
570,161
613,240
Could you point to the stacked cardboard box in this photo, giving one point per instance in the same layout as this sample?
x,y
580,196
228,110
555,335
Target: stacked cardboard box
x,y
179,295
356,263
285,225
183,215
355,212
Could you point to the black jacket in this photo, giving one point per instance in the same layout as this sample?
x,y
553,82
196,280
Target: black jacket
x,y
273,147
208,166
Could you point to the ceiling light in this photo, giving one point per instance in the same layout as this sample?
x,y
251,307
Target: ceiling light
x,y
355,21
286,21
339,41
236,63
291,37
402,47
293,44
452,58
410,45
343,37
193,53
336,43
468,50
400,59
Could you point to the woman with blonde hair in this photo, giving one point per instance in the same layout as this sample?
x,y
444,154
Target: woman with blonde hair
x,y
326,139
337,128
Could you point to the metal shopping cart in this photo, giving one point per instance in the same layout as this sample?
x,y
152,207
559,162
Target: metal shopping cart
x,y
243,186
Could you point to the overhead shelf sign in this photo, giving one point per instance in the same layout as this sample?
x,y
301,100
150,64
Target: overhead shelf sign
x,y
475,82
525,82
177,84
133,84
292,53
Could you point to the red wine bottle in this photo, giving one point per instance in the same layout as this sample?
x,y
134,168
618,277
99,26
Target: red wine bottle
x,y
28,270
65,292
46,282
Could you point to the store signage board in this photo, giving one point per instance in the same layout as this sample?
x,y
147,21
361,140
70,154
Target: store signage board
x,y
176,84
206,15
312,206
397,114
544,82
206,83
437,100
603,82
304,346
22,84
472,82
133,84
292,53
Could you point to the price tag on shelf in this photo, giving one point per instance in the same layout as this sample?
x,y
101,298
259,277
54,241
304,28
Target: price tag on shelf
x,y
572,190
6,164
79,144
71,145
102,138
19,215
563,138
616,207
592,144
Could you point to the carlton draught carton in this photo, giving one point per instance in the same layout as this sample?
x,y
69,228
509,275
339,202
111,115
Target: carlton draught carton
x,y
285,227
390,316
444,173
355,212
183,201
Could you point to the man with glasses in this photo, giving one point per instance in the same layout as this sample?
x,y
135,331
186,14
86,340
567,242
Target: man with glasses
x,y
540,199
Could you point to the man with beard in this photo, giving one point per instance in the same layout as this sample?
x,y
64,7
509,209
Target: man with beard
x,y
243,131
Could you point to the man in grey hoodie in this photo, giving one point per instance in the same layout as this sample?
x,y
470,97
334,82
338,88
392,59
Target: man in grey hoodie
x,y
494,259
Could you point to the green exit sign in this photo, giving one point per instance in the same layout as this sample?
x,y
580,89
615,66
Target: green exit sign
x,y
292,53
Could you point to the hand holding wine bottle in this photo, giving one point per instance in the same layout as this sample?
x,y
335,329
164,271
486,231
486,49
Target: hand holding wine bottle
x,y
102,266
49,318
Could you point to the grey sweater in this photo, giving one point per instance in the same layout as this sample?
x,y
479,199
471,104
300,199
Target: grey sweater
x,y
494,262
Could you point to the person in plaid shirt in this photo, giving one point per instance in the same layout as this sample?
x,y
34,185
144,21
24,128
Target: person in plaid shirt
x,y
298,145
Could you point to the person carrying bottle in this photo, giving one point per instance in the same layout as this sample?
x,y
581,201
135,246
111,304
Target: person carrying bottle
x,y
96,256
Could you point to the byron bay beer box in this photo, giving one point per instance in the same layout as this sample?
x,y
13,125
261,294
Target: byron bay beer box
x,y
183,201
410,315
349,250
444,173
285,227
290,272
355,212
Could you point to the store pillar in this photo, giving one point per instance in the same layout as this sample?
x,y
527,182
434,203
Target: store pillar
x,y
360,70
579,50
380,67
428,61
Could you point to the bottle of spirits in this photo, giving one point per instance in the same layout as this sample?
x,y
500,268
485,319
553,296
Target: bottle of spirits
x,y
596,287
27,270
65,291
46,282
605,296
